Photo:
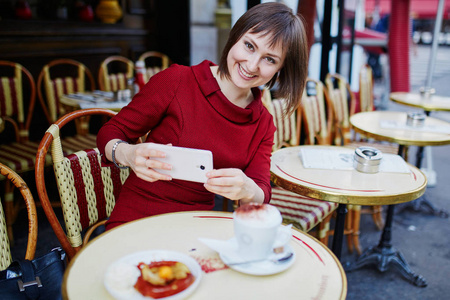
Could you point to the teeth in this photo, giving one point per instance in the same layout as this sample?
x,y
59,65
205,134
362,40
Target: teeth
x,y
245,73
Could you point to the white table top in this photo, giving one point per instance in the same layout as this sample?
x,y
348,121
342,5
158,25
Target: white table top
x,y
431,103
100,102
315,274
368,123
344,186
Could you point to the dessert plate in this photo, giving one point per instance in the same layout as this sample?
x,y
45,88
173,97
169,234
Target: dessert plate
x,y
122,274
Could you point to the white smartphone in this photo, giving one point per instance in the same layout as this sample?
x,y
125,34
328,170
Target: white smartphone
x,y
187,163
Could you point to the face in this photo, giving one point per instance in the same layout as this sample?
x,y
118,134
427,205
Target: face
x,y
252,62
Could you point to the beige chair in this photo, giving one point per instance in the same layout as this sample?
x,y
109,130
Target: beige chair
x,y
87,190
303,212
154,63
5,251
66,76
17,152
114,73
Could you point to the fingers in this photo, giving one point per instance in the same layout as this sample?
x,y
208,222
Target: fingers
x,y
147,162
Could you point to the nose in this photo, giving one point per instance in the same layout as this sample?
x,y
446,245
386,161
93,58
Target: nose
x,y
252,63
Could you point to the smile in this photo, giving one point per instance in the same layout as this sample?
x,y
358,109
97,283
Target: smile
x,y
245,73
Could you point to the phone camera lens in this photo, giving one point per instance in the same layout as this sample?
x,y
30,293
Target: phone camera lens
x,y
202,167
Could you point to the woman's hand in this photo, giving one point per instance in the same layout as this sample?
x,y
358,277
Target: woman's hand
x,y
140,158
234,185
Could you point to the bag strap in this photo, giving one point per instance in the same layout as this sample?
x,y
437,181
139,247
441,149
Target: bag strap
x,y
30,283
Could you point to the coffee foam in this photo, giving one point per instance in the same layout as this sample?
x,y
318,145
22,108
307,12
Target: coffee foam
x,y
258,215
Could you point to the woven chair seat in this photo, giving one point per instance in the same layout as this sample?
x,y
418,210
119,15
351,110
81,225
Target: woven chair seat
x,y
20,157
303,212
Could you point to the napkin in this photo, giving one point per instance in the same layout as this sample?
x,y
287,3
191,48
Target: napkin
x,y
226,248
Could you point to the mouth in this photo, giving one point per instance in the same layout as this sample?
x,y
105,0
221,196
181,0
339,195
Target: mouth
x,y
245,74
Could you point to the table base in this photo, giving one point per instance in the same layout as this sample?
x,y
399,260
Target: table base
x,y
384,254
424,205
383,257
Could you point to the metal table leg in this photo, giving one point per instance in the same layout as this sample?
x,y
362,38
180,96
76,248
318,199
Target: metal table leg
x,y
385,254
339,230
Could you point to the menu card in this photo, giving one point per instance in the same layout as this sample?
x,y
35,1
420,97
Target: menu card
x,y
392,124
342,159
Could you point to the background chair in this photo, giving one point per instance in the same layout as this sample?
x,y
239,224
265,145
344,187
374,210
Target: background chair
x,y
17,100
303,212
5,251
114,73
154,63
59,77
66,76
344,102
87,190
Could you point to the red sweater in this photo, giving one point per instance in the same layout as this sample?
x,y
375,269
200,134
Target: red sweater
x,y
185,106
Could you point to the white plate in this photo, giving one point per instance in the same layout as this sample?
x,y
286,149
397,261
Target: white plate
x,y
121,275
265,267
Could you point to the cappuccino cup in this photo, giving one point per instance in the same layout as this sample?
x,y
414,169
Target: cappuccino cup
x,y
258,231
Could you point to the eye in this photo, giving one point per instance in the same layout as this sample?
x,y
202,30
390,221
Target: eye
x,y
270,60
249,46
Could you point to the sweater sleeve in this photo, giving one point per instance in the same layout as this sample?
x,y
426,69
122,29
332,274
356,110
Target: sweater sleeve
x,y
259,167
143,113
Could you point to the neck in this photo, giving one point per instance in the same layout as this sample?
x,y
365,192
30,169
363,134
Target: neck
x,y
237,96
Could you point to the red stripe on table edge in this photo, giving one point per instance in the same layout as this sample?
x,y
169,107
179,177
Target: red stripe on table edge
x,y
310,248
328,187
212,217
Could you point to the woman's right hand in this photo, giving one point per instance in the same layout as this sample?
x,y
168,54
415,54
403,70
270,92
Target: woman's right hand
x,y
140,158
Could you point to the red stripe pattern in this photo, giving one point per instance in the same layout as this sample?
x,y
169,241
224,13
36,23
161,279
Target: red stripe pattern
x,y
87,190
304,212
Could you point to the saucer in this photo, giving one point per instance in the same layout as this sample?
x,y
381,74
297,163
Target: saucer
x,y
227,250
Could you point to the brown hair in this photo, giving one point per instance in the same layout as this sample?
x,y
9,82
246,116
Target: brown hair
x,y
286,28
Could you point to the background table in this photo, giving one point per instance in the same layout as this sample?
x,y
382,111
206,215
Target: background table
x,y
431,103
348,187
368,123
315,274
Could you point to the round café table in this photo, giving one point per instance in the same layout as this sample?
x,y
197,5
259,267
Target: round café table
x,y
348,187
430,103
315,274
370,124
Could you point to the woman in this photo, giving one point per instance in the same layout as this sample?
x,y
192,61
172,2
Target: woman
x,y
216,108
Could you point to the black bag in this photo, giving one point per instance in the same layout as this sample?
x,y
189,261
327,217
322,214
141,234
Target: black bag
x,y
40,278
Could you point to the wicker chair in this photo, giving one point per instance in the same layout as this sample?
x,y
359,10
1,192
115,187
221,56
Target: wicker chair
x,y
65,76
5,251
87,190
17,100
154,63
303,212
343,101
114,73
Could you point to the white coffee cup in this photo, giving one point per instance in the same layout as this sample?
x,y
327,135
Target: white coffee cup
x,y
258,230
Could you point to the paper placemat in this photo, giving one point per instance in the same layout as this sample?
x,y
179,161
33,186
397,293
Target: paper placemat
x,y
341,159
391,124
103,104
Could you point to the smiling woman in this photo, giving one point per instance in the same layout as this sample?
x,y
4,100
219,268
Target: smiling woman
x,y
204,107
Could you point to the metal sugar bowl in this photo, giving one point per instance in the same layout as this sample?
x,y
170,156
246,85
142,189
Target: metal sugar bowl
x,y
415,119
367,159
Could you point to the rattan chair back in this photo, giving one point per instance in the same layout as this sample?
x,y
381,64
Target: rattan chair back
x,y
154,63
114,72
87,190
5,251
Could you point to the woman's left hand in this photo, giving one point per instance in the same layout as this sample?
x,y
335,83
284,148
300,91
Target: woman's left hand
x,y
234,185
